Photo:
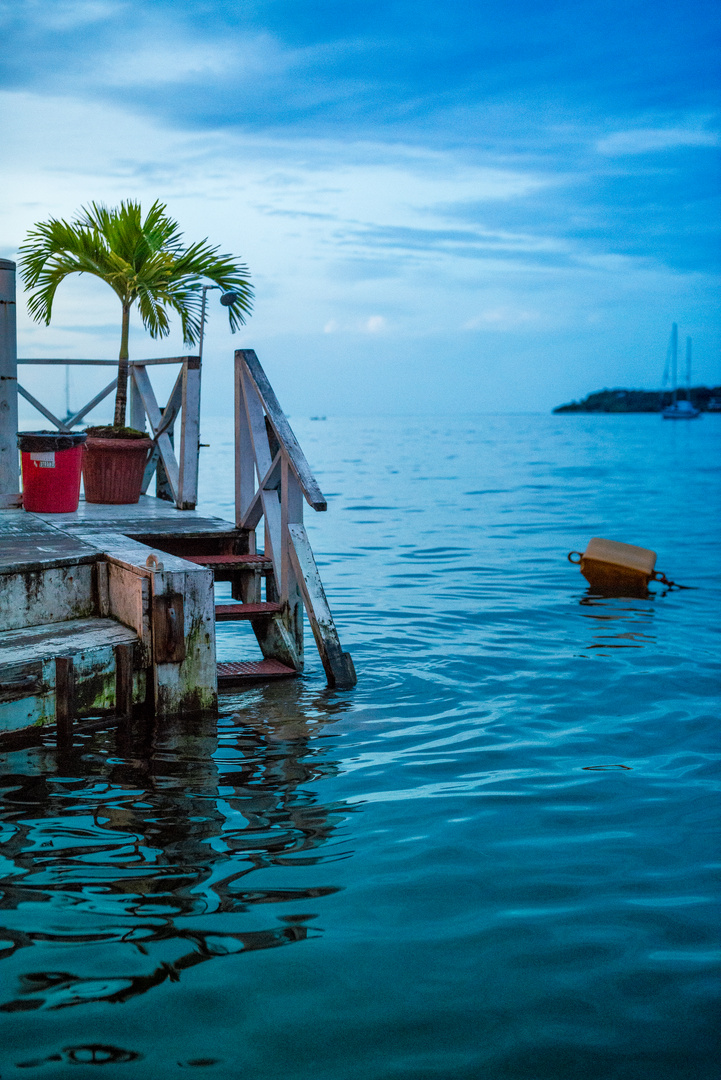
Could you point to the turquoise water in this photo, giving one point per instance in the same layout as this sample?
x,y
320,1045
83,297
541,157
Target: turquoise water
x,y
495,858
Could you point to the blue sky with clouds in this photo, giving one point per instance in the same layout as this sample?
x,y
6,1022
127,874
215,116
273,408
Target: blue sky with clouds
x,y
460,205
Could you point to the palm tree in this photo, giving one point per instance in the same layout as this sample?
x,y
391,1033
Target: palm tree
x,y
141,260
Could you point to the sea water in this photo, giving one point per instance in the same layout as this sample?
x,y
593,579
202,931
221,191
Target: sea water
x,y
494,858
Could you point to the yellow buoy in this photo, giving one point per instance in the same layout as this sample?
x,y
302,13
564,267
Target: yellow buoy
x,y
610,566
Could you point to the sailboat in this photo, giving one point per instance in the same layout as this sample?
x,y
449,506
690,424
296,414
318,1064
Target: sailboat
x,y
679,409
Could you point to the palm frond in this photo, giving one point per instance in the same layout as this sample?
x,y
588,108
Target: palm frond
x,y
143,259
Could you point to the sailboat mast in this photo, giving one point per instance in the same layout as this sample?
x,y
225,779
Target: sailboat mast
x,y
674,360
688,368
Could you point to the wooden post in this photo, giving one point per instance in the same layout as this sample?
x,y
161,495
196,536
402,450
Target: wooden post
x,y
9,478
163,489
137,410
338,665
124,681
189,436
244,468
155,419
291,513
64,699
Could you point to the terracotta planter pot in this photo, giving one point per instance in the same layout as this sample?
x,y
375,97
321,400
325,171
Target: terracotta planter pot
x,y
113,469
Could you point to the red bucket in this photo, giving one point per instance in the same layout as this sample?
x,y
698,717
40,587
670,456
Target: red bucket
x,y
51,466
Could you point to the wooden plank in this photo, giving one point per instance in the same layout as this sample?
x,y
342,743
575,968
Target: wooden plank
x,y
124,681
192,684
291,505
129,603
41,409
54,361
263,463
234,562
244,458
137,409
231,672
234,612
256,423
133,554
46,595
270,482
189,439
146,516
155,419
168,417
168,628
283,430
20,680
73,362
9,476
64,698
91,404
338,665
102,588
168,360
276,642
45,642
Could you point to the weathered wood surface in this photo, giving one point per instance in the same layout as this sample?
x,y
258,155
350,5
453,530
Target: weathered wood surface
x,y
158,433
192,684
147,516
129,603
46,596
65,697
234,612
54,361
283,429
189,438
83,652
60,639
27,542
183,626
338,664
115,580
81,413
124,680
9,478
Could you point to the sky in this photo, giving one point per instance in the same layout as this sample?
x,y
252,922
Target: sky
x,y
467,206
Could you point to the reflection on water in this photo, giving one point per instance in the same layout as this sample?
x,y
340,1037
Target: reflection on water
x,y
130,842
628,611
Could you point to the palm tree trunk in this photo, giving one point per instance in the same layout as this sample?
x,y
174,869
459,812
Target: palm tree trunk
x,y
121,393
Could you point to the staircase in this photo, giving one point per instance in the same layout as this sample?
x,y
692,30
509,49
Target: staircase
x,y
273,481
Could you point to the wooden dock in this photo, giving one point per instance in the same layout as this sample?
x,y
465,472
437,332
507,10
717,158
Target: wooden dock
x,y
110,610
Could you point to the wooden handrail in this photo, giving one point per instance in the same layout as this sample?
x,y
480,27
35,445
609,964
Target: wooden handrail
x,y
296,458
55,361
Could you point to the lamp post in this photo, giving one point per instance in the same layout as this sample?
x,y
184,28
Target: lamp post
x,y
226,300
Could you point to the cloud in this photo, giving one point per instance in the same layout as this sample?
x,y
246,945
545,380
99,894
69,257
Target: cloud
x,y
654,140
502,318
152,63
375,324
62,15
397,177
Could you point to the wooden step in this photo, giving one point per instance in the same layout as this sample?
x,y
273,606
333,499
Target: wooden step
x,y
55,672
232,612
236,671
231,562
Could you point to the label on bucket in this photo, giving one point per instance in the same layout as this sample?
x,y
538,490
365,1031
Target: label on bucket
x,y
44,461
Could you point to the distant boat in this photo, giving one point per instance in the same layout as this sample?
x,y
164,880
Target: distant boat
x,y
679,409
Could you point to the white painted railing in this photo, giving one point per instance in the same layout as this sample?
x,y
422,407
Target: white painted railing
x,y
272,481
179,477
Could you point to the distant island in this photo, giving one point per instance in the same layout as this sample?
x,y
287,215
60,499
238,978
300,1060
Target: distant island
x,y
705,398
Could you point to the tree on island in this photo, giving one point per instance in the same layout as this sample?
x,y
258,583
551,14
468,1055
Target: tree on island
x,y
143,261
